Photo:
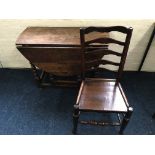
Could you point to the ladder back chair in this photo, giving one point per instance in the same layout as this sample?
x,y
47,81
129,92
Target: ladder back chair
x,y
99,94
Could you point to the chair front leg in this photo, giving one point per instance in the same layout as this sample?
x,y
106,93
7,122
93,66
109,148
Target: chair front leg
x,y
125,120
76,115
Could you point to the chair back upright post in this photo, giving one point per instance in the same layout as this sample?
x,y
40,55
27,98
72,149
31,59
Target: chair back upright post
x,y
99,43
82,41
124,53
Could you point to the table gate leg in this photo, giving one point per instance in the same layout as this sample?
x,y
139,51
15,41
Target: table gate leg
x,y
35,74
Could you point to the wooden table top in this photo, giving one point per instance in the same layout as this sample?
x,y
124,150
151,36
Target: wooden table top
x,y
55,50
56,36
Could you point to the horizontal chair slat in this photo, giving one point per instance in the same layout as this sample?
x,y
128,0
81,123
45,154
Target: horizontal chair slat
x,y
100,62
121,29
104,41
99,69
102,51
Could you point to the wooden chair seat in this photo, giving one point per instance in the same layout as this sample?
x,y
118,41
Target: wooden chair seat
x,y
102,95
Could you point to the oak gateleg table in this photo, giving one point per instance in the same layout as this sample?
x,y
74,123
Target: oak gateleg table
x,y
55,51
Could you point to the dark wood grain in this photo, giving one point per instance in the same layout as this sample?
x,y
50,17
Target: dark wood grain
x,y
100,94
51,36
103,95
102,51
85,43
121,29
104,41
100,62
55,50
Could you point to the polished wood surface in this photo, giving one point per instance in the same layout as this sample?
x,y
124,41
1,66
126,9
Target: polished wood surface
x,y
102,95
52,36
55,50
49,36
58,61
100,40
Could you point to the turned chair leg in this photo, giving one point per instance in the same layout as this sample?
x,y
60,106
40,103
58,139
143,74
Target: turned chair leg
x,y
76,115
125,120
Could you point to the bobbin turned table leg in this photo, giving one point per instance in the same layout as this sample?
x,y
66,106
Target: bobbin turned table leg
x,y
35,74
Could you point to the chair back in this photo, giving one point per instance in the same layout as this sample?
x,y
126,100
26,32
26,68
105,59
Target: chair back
x,y
92,50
